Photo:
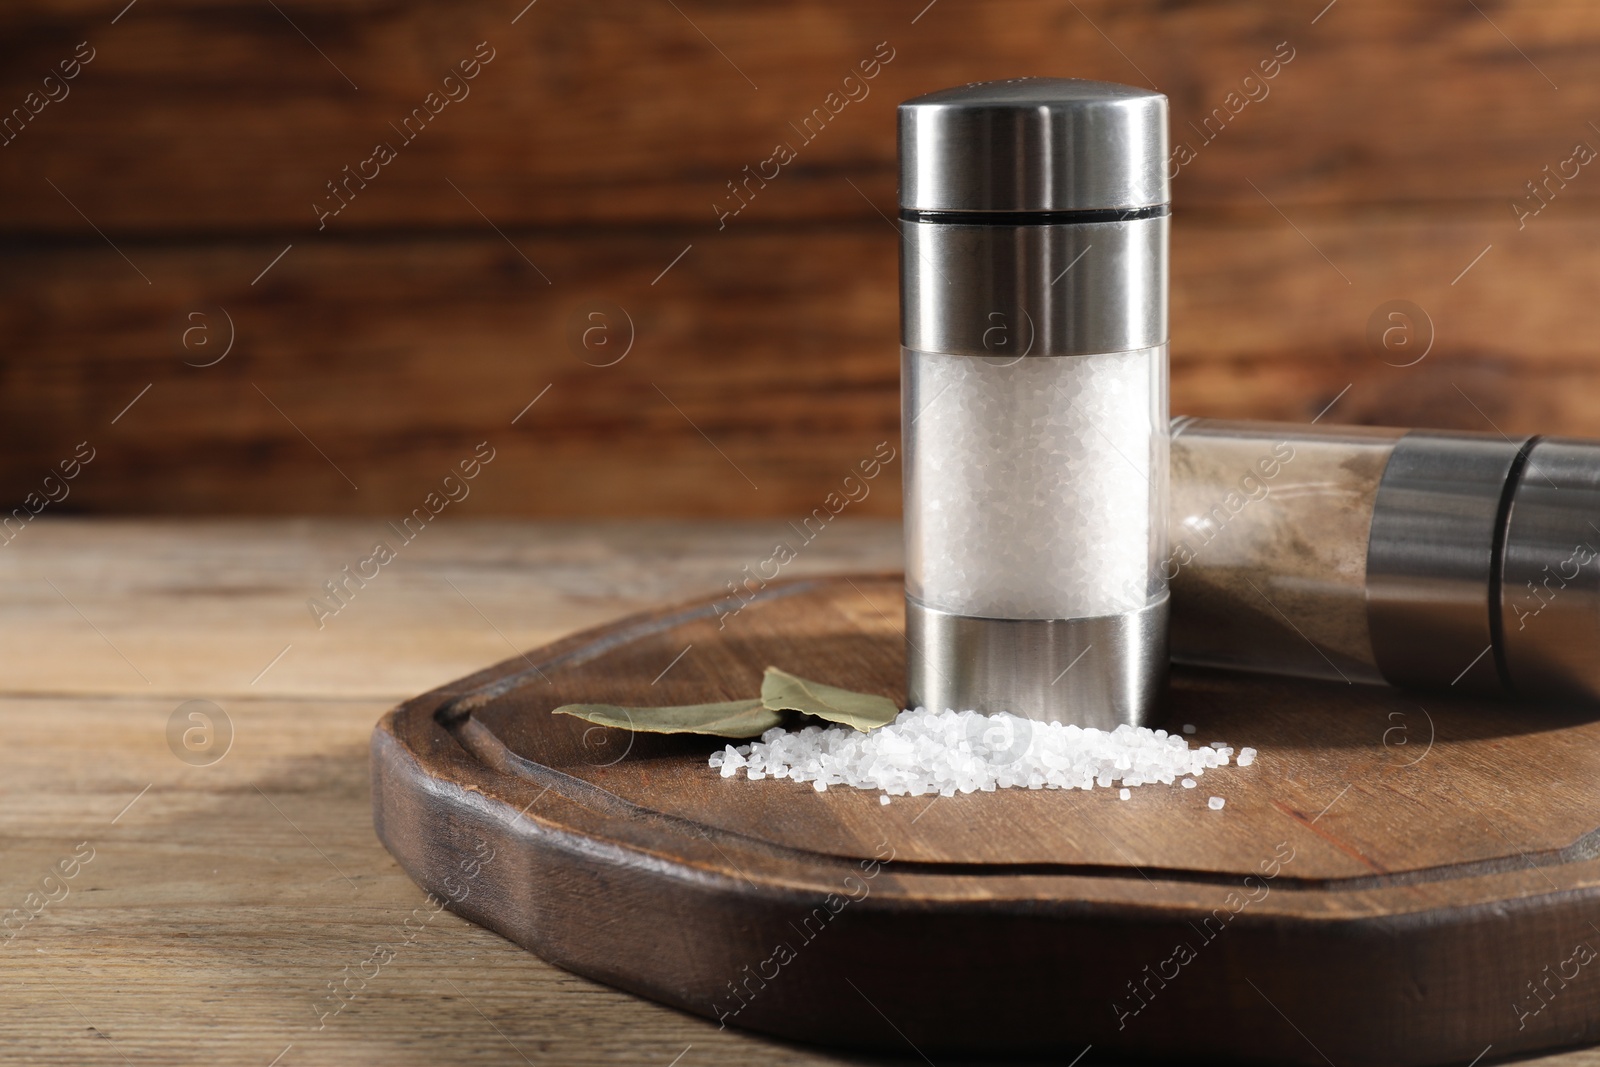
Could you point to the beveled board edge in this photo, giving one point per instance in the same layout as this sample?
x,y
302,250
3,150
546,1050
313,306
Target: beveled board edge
x,y
684,917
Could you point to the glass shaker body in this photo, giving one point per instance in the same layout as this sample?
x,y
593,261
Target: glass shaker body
x,y
1267,555
1035,487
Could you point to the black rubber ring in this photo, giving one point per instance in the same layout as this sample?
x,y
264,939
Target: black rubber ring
x,y
1037,218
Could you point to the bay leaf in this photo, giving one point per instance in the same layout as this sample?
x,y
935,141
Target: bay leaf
x,y
782,691
733,718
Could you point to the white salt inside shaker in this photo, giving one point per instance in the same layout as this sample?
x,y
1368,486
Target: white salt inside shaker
x,y
1034,398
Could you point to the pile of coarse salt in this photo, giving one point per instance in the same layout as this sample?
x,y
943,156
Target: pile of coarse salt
x,y
949,752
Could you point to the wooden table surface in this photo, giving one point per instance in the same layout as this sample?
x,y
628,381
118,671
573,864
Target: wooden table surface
x,y
222,898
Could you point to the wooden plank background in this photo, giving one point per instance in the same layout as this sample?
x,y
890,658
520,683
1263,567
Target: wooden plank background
x,y
177,173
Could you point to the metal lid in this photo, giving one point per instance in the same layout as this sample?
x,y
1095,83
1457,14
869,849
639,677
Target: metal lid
x,y
1550,573
1034,145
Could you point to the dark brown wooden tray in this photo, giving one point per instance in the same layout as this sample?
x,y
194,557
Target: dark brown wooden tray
x,y
1397,880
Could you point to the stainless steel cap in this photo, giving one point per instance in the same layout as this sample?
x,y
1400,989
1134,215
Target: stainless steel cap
x,y
1072,289
1102,672
1034,145
1431,554
1550,573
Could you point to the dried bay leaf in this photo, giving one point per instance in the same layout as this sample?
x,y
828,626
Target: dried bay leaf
x,y
782,691
733,718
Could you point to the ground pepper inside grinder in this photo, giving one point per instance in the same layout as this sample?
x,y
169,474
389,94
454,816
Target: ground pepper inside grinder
x,y
1424,558
1034,398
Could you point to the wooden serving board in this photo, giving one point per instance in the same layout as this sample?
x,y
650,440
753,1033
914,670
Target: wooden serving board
x,y
1398,879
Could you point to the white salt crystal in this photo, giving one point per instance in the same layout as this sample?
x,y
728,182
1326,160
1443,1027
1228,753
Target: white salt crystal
x,y
1247,756
883,798
1029,484
945,753
1125,793
1188,727
1215,803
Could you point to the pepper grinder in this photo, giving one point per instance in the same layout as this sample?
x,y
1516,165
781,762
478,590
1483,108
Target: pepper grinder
x,y
1033,294
1441,560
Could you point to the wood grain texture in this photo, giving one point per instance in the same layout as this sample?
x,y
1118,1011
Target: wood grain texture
x,y
204,608
188,154
216,911
219,116
363,372
206,927
216,908
1367,869
762,370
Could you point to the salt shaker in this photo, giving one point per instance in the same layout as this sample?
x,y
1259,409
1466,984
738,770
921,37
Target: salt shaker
x,y
1034,221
